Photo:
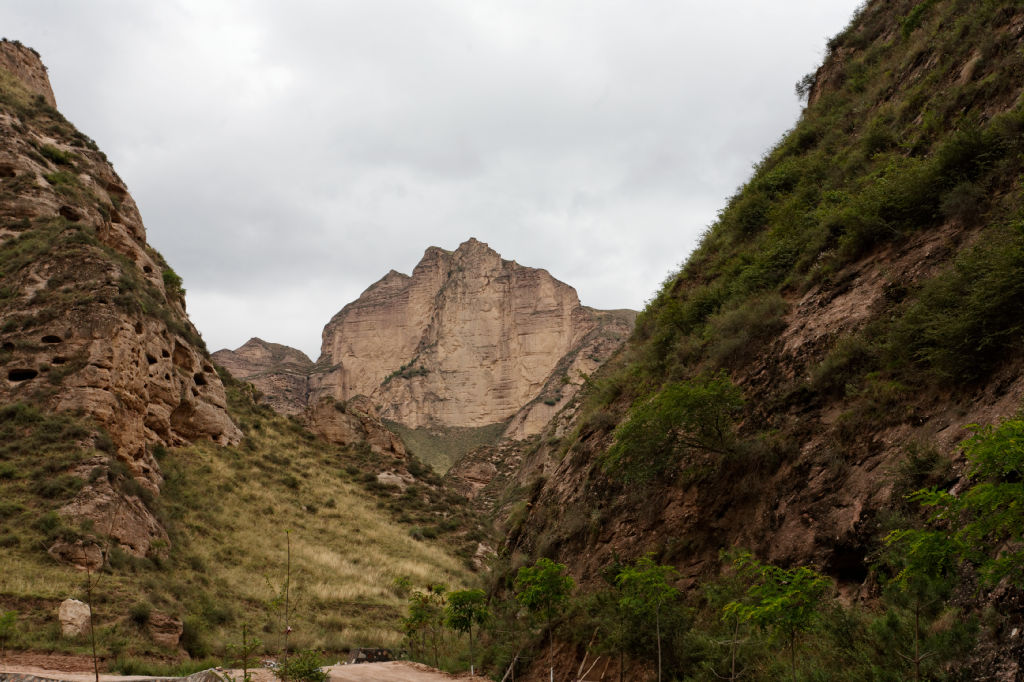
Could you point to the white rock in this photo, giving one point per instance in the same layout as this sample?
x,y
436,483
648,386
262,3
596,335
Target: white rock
x,y
74,618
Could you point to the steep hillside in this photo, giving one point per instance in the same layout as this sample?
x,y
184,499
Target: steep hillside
x,y
856,304
92,320
356,522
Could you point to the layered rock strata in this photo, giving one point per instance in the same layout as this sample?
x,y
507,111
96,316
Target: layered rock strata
x,y
468,340
280,373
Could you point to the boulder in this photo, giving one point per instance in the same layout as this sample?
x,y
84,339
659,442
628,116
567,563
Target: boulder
x,y
74,618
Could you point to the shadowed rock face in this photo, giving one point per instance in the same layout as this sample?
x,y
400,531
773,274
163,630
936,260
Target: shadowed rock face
x,y
91,317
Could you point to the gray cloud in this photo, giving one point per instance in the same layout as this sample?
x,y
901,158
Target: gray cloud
x,y
287,155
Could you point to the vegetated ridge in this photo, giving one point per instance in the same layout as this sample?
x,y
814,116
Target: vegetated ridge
x,y
856,305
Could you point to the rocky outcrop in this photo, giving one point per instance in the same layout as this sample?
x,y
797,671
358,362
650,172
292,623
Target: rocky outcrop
x,y
351,422
24,64
92,320
164,630
468,340
281,373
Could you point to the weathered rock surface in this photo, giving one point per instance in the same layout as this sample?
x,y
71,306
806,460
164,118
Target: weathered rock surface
x,y
468,340
164,630
281,373
24,64
74,618
92,319
353,421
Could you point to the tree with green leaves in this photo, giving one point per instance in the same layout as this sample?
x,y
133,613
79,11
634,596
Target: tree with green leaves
x,y
922,562
987,519
784,600
465,609
683,418
646,590
425,622
544,589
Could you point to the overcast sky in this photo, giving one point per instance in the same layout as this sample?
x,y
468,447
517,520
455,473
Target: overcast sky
x,y
286,155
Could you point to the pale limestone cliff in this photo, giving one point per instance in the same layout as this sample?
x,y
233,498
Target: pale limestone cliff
x,y
281,373
92,320
469,339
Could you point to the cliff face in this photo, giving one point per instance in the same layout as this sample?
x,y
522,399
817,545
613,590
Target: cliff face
x,y
468,340
92,319
281,373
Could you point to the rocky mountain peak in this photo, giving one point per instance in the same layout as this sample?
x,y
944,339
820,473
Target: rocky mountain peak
x,y
468,340
25,65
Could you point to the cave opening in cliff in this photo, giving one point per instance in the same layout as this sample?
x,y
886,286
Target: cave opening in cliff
x,y
22,374
51,338
847,564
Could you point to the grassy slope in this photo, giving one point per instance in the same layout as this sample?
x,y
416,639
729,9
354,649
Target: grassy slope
x,y
899,144
229,512
441,447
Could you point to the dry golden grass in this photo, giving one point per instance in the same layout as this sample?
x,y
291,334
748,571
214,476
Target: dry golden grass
x,y
231,514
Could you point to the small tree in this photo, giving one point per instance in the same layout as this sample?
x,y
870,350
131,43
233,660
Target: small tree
x,y
923,564
425,622
544,589
465,609
241,655
988,518
786,601
646,590
685,418
7,622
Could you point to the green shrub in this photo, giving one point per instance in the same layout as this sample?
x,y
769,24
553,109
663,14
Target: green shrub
x,y
964,321
303,666
173,282
733,336
193,638
139,613
58,156
684,418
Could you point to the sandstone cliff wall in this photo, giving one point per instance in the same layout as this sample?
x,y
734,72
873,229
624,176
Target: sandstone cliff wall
x,y
92,319
468,340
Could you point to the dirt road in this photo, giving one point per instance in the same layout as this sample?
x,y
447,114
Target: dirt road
x,y
78,669
395,671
